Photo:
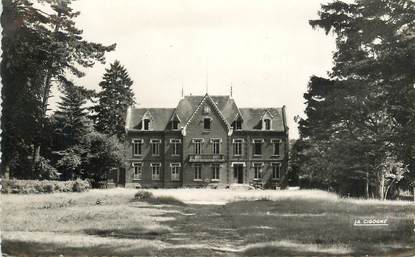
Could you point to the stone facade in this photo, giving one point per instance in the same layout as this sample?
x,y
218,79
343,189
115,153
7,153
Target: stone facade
x,y
206,140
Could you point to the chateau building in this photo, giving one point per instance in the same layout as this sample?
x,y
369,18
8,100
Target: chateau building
x,y
206,140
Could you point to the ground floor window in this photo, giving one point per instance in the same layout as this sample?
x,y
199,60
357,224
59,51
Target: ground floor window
x,y
155,171
198,172
175,171
257,170
215,171
276,170
138,170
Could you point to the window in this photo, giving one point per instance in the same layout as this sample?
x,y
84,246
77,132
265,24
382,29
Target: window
x,y
175,146
155,171
257,170
216,146
198,172
155,147
137,147
197,145
175,171
138,170
175,124
276,169
215,172
207,123
237,124
267,123
146,124
275,147
258,146
237,146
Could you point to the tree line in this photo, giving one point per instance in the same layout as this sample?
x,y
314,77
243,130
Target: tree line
x,y
358,136
44,49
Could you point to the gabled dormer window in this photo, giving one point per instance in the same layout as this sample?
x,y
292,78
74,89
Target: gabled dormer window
x,y
238,124
175,124
267,124
146,124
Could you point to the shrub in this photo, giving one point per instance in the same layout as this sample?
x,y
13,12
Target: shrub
x,y
143,195
15,186
148,197
80,185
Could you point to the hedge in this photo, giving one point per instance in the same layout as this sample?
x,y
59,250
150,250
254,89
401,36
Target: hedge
x,y
14,186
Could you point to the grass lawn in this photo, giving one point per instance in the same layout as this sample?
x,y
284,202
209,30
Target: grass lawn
x,y
211,222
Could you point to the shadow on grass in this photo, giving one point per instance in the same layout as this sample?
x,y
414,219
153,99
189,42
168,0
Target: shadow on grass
x,y
130,233
29,249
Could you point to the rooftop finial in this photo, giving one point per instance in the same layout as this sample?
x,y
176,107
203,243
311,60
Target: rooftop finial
x,y
182,91
231,91
207,75
207,80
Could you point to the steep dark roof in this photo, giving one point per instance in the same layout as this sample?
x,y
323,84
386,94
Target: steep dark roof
x,y
161,117
252,118
186,107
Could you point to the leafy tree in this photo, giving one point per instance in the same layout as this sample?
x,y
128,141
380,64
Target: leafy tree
x,y
71,126
104,153
71,162
113,101
365,111
40,50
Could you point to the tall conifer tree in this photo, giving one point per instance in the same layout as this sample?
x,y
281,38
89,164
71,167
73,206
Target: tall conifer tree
x,y
113,101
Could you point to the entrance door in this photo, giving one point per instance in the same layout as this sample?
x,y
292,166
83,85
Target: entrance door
x,y
238,173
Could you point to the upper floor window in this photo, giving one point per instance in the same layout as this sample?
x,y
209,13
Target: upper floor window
x,y
215,171
155,171
146,123
216,145
275,147
257,170
155,146
238,124
198,172
276,170
197,146
207,123
175,124
138,170
137,146
175,171
267,124
237,146
258,146
175,146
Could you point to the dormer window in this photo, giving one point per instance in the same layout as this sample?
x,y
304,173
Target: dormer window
x,y
146,123
206,109
267,124
238,124
207,123
175,124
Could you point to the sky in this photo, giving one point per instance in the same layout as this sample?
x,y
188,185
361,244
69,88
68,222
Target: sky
x,y
264,49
